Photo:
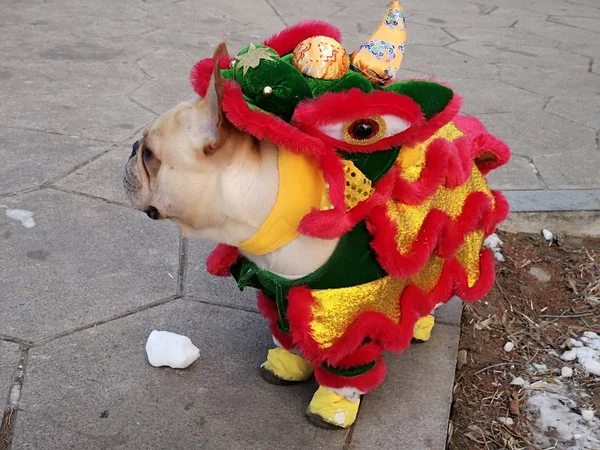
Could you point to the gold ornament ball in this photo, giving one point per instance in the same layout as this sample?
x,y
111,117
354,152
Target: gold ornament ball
x,y
321,57
267,90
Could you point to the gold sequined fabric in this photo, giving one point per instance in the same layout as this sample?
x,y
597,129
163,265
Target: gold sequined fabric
x,y
334,310
412,159
358,186
468,256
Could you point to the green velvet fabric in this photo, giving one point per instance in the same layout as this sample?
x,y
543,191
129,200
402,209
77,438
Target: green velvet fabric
x,y
350,371
288,85
353,263
373,165
431,97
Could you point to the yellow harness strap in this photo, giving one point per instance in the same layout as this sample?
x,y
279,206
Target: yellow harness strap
x,y
301,186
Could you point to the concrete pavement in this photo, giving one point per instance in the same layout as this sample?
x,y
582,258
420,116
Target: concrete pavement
x,y
81,291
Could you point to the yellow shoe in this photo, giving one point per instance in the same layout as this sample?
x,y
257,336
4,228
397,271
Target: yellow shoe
x,y
330,410
285,367
423,329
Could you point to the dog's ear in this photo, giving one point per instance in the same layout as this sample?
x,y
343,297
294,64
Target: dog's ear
x,y
214,97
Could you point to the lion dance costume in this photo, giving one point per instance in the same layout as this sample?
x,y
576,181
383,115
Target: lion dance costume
x,y
388,167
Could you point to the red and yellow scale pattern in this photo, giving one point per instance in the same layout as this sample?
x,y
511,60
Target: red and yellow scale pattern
x,y
333,311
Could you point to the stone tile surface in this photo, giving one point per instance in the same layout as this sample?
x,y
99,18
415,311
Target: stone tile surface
x,y
30,158
84,261
9,354
103,177
410,410
200,285
220,402
82,78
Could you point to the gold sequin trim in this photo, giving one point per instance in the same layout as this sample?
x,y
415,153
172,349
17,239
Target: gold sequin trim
x,y
358,186
381,132
334,310
468,256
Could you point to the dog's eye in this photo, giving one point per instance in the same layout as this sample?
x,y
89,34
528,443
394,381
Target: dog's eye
x,y
147,154
367,130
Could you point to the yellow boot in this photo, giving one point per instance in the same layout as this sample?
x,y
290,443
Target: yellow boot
x,y
332,411
423,328
284,367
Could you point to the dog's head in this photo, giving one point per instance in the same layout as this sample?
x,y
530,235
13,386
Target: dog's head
x,y
172,171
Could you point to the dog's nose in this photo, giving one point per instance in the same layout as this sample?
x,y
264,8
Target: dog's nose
x,y
153,213
136,146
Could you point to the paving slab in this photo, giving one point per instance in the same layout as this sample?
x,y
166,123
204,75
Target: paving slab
x,y
220,402
541,134
556,200
103,177
109,118
85,261
9,354
560,173
202,286
30,158
410,410
519,173
449,313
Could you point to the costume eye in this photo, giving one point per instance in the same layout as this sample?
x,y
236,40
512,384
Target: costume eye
x,y
366,130
147,154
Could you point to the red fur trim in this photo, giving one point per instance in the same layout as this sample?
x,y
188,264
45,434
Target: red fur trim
x,y
339,107
331,224
363,383
268,309
469,125
438,232
202,71
415,135
486,143
221,259
483,285
286,41
263,125
432,176
364,354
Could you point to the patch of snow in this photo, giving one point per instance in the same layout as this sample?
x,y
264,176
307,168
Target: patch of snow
x,y
576,343
494,243
566,372
509,346
548,235
169,349
21,215
588,415
518,381
591,366
570,355
556,419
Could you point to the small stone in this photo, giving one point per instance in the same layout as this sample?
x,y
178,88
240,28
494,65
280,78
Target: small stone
x,y
566,372
506,421
547,235
509,346
539,274
462,358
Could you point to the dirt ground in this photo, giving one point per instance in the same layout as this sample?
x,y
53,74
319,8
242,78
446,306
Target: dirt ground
x,y
546,292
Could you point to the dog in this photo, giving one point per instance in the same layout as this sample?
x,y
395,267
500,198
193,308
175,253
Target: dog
x,y
415,241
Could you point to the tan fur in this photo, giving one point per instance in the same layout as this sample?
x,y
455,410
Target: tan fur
x,y
215,182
